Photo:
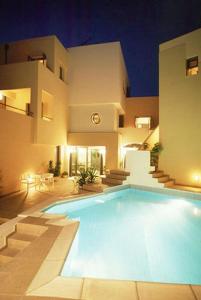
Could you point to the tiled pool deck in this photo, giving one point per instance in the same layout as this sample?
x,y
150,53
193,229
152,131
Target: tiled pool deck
x,y
34,272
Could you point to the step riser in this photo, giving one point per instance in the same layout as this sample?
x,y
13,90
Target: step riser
x,y
169,183
31,229
115,176
158,175
111,181
120,172
18,244
163,179
5,259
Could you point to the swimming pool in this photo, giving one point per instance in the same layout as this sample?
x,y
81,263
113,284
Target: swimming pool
x,y
135,235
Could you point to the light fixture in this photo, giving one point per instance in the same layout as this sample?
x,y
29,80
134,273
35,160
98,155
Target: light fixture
x,y
196,177
1,96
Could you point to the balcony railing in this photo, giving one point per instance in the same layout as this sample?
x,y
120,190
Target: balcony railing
x,y
16,109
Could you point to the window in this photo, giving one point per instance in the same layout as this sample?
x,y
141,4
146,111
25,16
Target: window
x,y
192,66
121,121
61,73
143,122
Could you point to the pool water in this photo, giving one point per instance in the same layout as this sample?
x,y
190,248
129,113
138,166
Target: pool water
x,y
135,235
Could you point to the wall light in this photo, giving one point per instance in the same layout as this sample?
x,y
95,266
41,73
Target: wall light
x,y
196,177
1,96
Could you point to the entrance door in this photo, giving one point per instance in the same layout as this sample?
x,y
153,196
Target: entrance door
x,y
87,157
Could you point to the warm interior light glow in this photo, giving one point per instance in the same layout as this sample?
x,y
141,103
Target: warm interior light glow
x,y
192,71
1,96
196,177
143,122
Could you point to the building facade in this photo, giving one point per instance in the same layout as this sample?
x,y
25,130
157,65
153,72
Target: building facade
x,y
66,104
180,108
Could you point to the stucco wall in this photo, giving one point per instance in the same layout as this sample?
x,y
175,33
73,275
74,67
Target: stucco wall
x,y
95,74
80,118
17,154
180,110
141,107
37,77
52,132
20,50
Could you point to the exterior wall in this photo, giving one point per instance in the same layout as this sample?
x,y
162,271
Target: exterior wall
x,y
80,118
133,135
61,59
28,143
109,140
97,74
37,77
180,108
52,132
141,107
17,154
20,50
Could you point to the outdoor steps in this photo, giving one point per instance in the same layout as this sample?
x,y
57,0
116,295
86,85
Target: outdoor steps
x,y
6,254
20,240
170,182
24,234
111,181
120,172
115,177
163,178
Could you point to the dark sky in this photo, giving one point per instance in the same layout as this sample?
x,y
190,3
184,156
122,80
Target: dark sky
x,y
140,26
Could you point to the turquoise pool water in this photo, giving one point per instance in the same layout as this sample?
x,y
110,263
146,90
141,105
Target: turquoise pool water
x,y
135,235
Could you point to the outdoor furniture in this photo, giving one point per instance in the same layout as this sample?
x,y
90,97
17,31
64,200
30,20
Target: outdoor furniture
x,y
46,180
29,181
37,180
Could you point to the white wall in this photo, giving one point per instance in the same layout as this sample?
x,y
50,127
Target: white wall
x,y
96,74
138,164
180,110
80,118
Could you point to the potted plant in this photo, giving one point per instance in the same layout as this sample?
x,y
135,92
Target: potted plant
x,y
57,169
64,174
155,151
82,178
51,167
92,175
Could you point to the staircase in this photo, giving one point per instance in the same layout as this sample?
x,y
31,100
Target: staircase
x,y
115,177
163,178
24,234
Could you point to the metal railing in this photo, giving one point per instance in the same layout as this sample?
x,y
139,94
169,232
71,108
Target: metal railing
x,y
5,106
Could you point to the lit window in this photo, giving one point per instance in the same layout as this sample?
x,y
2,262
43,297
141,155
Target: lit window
x,y
143,122
192,66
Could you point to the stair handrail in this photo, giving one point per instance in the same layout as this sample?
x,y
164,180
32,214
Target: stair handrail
x,y
147,138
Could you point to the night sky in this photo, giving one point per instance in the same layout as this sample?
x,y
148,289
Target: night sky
x,y
139,25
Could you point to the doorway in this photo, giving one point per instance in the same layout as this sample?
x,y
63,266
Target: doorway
x,y
86,157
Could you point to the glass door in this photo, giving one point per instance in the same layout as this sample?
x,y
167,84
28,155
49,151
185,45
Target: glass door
x,y
87,157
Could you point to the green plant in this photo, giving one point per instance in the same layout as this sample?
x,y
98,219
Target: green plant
x,y
82,178
64,174
155,152
92,175
50,167
57,169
